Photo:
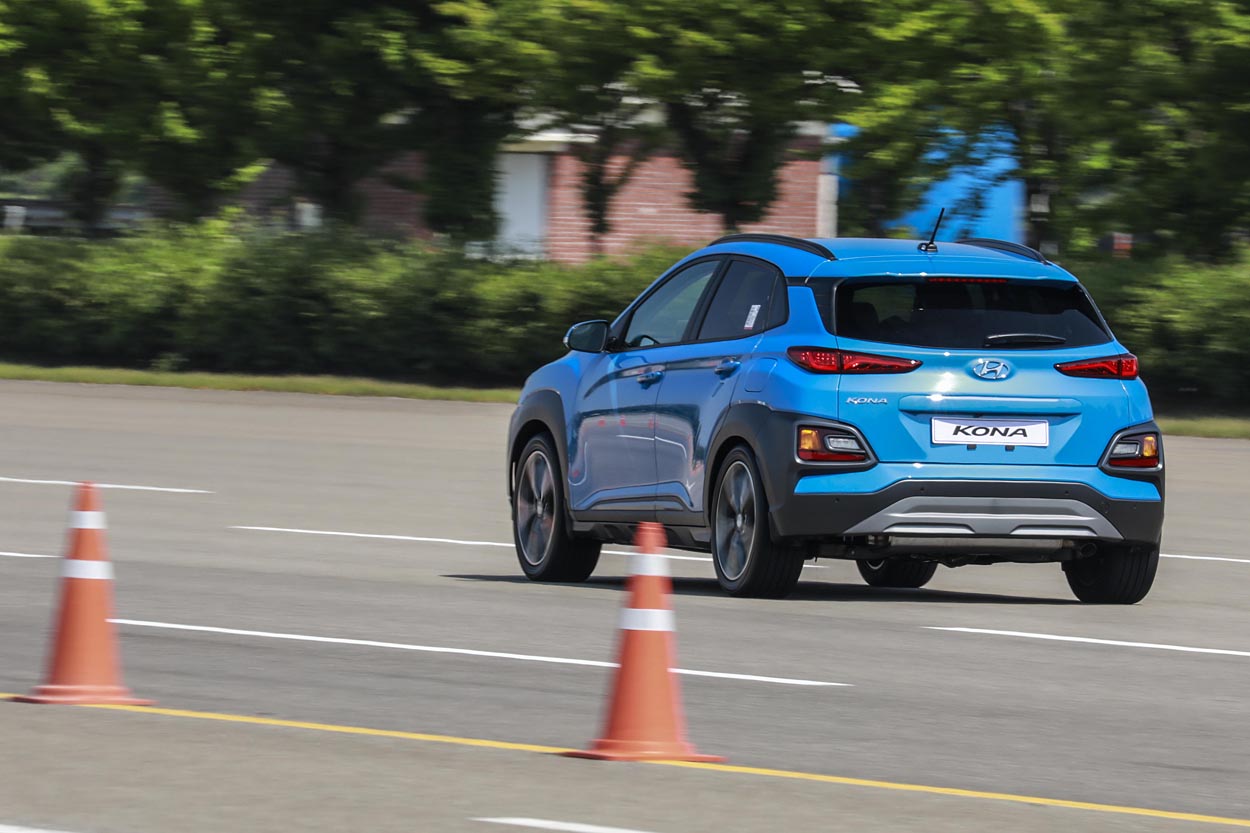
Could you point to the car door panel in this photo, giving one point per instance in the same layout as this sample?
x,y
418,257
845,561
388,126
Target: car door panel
x,y
612,459
698,386
700,380
614,466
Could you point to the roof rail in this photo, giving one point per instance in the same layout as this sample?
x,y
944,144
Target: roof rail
x,y
810,246
1005,246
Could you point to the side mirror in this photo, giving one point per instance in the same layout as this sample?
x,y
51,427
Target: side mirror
x,y
587,337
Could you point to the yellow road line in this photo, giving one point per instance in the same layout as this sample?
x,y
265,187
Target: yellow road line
x,y
958,793
730,768
330,727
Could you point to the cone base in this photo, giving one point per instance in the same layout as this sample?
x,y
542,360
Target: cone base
x,y
82,695
615,750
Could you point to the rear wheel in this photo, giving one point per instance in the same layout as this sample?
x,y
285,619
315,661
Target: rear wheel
x,y
896,572
539,525
748,562
1119,574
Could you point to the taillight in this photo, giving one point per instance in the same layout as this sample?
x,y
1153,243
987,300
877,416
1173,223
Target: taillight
x,y
824,360
1108,367
1135,451
830,445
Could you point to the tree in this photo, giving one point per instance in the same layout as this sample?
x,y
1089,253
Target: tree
x,y
26,126
736,78
203,144
472,68
591,91
87,85
1171,163
330,93
1122,116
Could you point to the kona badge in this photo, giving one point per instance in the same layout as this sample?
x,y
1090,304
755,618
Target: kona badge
x,y
866,400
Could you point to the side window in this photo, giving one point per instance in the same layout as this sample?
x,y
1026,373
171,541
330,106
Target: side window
x,y
663,318
742,302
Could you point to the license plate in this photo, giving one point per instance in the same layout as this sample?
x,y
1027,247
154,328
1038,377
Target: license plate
x,y
951,431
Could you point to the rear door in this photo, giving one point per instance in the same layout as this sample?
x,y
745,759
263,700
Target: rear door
x,y
986,390
700,378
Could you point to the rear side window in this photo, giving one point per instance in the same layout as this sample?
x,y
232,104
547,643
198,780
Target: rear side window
x,y
742,302
967,315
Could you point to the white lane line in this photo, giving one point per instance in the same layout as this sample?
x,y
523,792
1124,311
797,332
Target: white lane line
x,y
459,542
1205,558
24,555
1055,638
417,538
9,828
106,486
564,826
661,555
435,649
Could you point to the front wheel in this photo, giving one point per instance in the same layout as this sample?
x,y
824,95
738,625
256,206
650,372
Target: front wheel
x,y
748,562
896,572
539,526
1120,574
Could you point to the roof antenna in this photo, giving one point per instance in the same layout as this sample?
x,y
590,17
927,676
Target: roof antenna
x,y
931,246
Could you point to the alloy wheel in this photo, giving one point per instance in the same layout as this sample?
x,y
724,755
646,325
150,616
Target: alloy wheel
x,y
735,520
536,508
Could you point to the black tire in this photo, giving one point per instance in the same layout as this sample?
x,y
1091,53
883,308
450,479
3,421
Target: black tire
x,y
544,547
748,562
1120,574
896,572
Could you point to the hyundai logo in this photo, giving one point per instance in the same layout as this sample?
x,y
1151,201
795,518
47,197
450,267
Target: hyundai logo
x,y
993,369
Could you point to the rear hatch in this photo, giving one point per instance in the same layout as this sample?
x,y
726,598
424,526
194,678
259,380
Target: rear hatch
x,y
986,390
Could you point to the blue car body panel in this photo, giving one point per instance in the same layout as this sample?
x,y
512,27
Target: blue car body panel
x,y
642,427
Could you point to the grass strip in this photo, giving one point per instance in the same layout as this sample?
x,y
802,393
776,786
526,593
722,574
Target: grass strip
x,y
332,385
1217,427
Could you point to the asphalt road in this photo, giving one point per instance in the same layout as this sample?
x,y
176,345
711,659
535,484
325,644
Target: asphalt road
x,y
1153,725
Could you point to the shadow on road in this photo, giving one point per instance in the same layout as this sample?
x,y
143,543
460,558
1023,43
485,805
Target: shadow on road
x,y
806,591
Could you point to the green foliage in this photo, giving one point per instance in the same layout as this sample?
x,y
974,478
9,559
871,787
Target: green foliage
x,y
229,298
224,296
736,78
1189,324
1126,117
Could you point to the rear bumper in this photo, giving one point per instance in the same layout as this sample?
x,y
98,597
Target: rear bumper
x,y
955,501
972,508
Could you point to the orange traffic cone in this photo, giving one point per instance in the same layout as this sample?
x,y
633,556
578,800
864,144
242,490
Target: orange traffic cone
x,y
645,719
84,666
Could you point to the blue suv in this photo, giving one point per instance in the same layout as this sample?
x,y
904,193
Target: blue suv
x,y
902,404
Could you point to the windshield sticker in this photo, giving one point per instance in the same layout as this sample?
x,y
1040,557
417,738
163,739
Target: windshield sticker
x,y
755,311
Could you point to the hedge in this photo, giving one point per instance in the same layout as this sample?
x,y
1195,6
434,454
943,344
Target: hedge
x,y
1189,324
225,297
219,298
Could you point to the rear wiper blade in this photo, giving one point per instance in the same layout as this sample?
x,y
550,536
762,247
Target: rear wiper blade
x,y
1007,339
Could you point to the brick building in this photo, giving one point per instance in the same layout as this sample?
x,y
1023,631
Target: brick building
x,y
540,208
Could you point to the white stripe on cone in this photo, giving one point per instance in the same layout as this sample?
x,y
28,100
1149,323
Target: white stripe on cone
x,y
87,520
74,568
647,564
640,619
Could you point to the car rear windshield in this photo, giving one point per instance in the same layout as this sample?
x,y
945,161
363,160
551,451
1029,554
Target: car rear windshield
x,y
955,314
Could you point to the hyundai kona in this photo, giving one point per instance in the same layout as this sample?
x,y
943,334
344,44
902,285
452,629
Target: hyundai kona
x,y
901,404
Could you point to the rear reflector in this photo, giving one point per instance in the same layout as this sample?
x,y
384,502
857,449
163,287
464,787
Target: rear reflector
x,y
824,360
1108,367
1135,451
830,445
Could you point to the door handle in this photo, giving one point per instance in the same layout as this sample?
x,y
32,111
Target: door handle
x,y
727,367
650,377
